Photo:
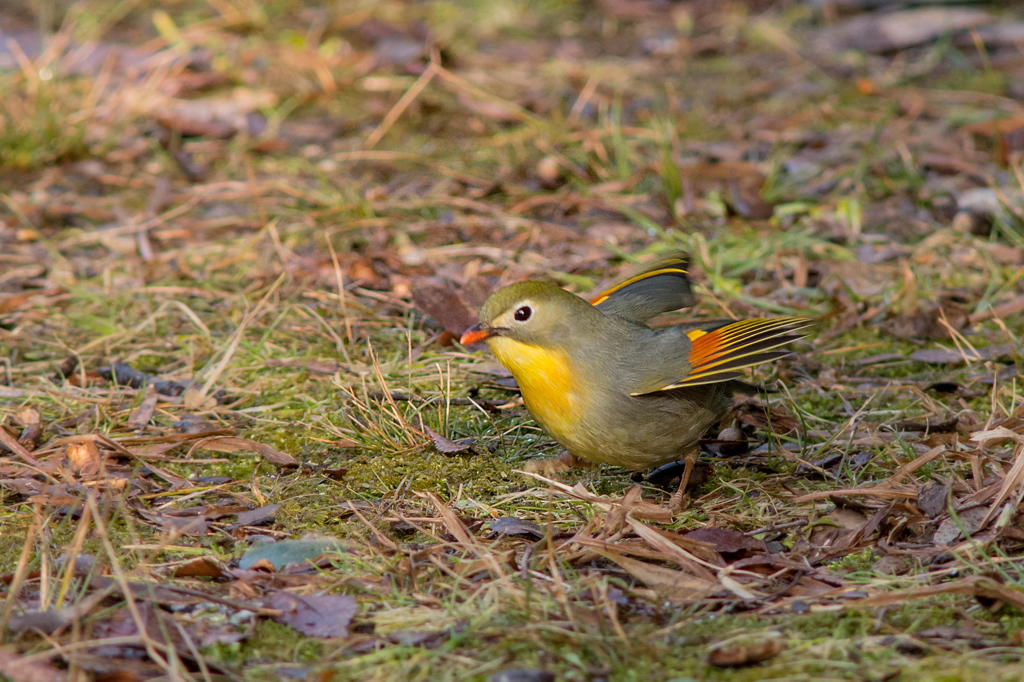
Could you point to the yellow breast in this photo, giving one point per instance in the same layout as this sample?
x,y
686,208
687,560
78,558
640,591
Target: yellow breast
x,y
546,379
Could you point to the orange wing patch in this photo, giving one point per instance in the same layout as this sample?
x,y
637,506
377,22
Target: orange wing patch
x,y
719,354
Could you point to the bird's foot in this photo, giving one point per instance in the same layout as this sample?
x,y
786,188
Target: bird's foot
x,y
549,466
678,502
679,499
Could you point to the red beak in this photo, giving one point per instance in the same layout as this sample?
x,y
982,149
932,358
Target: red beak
x,y
478,332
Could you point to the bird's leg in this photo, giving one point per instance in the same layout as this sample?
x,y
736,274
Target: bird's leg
x,y
679,499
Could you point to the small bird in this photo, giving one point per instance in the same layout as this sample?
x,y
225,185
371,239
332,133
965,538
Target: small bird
x,y
611,389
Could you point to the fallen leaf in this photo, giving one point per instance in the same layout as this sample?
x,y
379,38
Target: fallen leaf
x,y
285,552
216,117
449,447
117,664
126,375
510,525
11,303
51,620
83,456
947,636
191,526
315,615
199,567
890,31
964,524
16,668
236,444
140,416
746,650
260,515
28,419
931,498
953,356
727,541
929,320
444,305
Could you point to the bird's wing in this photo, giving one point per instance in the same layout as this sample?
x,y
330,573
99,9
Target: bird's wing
x,y
658,289
718,354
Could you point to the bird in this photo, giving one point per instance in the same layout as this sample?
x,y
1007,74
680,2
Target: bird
x,y
608,387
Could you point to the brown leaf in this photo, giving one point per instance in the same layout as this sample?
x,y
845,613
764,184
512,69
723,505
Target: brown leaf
x,y
836,533
14,667
192,526
51,620
315,615
236,444
964,524
216,117
672,551
444,305
930,320
199,567
449,447
510,525
955,356
254,517
14,301
746,650
728,541
140,416
890,31
28,419
931,498
83,456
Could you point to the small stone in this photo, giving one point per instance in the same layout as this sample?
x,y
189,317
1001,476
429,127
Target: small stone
x,y
549,172
732,441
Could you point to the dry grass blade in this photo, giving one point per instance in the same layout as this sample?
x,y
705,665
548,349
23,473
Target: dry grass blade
x,y
698,567
21,569
462,535
171,664
673,552
978,586
236,444
882,492
401,105
214,372
676,586
1012,480
639,509
12,444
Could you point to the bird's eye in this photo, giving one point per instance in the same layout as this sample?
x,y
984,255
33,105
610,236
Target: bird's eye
x,y
523,313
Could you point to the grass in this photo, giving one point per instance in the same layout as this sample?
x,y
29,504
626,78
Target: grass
x,y
276,270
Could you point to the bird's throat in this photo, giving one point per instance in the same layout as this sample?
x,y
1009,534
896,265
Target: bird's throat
x,y
547,379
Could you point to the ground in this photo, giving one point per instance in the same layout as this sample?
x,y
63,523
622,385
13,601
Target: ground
x,y
238,242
